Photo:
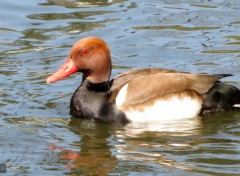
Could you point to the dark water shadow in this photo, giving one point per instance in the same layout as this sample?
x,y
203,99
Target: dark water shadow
x,y
95,156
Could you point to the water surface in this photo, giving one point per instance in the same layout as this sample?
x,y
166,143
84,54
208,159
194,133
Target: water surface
x,y
39,137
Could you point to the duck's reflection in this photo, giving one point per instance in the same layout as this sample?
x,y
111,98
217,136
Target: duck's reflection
x,y
95,156
103,146
181,127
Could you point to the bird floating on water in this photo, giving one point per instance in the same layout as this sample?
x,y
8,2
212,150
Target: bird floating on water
x,y
149,94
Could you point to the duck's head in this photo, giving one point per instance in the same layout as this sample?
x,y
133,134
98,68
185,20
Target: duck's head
x,y
91,56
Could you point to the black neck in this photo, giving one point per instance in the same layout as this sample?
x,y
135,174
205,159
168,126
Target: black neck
x,y
98,87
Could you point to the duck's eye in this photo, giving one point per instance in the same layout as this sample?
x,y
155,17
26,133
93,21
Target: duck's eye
x,y
84,52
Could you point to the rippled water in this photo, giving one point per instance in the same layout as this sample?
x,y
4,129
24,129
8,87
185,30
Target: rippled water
x,y
38,136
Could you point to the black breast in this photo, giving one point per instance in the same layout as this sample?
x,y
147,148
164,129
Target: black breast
x,y
91,101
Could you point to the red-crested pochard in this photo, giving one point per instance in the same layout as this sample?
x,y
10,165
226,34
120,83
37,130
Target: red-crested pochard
x,y
149,94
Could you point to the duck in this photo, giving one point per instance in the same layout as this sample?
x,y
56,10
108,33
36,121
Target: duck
x,y
142,95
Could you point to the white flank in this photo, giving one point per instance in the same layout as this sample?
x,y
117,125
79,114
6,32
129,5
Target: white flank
x,y
171,109
121,96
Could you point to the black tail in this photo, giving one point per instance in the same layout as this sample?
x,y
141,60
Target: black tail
x,y
221,97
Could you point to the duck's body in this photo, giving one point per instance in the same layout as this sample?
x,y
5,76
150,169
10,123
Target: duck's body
x,y
140,95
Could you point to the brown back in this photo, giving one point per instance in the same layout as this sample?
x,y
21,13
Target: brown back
x,y
147,83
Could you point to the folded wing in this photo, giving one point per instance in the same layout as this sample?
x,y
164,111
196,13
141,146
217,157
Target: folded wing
x,y
145,84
